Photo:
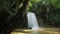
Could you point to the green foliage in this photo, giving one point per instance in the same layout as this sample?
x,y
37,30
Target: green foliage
x,y
9,6
34,1
56,3
31,3
52,6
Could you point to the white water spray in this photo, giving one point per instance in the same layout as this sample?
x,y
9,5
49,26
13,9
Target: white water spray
x,y
32,21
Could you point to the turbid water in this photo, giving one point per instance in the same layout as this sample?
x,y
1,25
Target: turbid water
x,y
32,21
29,31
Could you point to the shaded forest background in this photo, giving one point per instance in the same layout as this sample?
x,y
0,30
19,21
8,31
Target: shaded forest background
x,y
13,13
47,12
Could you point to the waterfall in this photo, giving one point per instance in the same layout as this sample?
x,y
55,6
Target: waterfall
x,y
32,21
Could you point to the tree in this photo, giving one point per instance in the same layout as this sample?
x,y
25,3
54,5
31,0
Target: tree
x,y
10,20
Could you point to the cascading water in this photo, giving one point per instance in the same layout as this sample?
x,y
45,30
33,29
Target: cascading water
x,y
32,21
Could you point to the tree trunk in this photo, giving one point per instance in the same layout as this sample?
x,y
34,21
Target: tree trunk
x,y
15,22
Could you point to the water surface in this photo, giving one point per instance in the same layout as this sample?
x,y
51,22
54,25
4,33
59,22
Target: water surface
x,y
40,31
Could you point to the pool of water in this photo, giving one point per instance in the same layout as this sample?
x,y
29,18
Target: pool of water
x,y
39,31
